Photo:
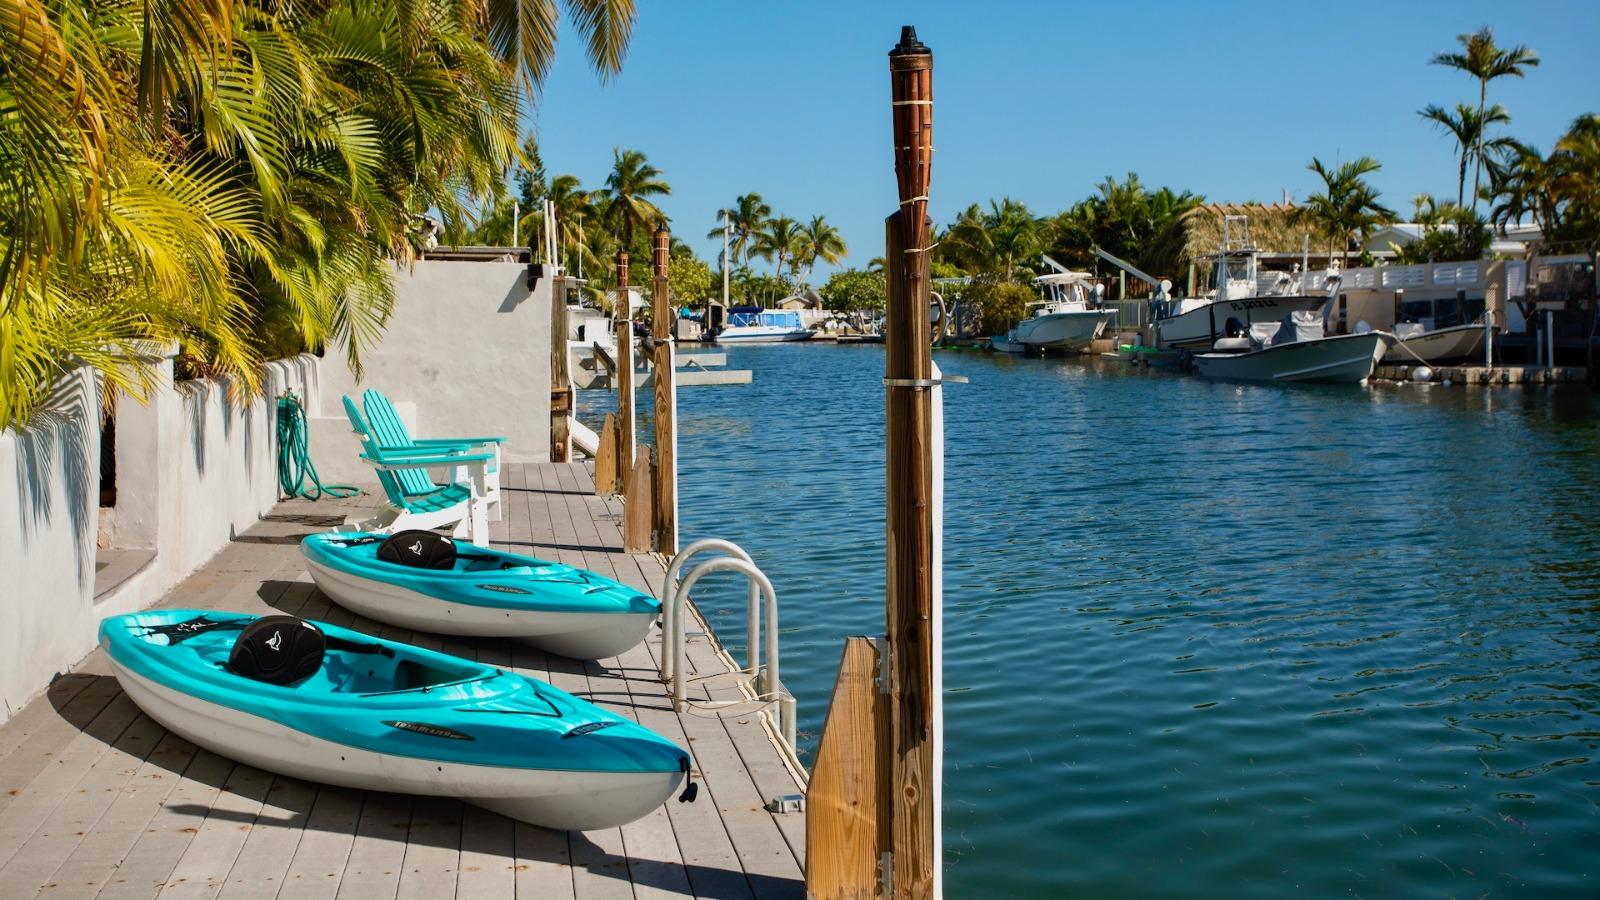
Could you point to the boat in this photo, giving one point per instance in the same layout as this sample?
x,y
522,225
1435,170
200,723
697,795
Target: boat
x,y
481,593
754,325
1063,318
1416,344
1195,323
314,701
1295,350
1431,331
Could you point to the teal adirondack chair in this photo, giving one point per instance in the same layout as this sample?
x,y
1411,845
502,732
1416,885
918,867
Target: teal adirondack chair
x,y
392,433
414,503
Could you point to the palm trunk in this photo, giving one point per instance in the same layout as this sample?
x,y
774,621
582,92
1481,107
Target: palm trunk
x,y
1477,155
1461,180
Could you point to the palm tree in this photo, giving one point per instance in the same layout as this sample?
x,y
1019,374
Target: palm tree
x,y
779,241
746,218
259,202
994,243
629,187
1485,61
1348,206
1466,125
819,241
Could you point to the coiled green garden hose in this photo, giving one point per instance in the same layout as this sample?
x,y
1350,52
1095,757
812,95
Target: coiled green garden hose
x,y
297,477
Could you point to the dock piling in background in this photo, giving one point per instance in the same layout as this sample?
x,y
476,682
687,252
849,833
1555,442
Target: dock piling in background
x,y
665,495
606,455
560,374
624,332
636,507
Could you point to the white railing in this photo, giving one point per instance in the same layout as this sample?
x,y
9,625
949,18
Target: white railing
x,y
1405,276
761,685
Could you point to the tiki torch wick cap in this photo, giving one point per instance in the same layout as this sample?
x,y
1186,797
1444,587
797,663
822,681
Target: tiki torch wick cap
x,y
909,45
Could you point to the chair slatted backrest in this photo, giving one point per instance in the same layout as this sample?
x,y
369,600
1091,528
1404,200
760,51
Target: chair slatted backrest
x,y
391,487
391,432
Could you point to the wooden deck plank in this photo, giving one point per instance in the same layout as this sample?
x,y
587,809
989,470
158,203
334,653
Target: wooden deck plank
x,y
433,850
145,868
96,860
204,866
273,839
81,810
321,856
379,848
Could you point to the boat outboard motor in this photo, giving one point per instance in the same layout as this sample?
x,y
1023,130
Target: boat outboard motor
x,y
419,550
278,650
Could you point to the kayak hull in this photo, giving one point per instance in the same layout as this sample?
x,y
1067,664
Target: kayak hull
x,y
552,606
568,801
381,715
579,635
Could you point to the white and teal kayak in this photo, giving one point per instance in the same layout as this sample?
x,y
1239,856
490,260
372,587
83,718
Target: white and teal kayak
x,y
484,593
373,714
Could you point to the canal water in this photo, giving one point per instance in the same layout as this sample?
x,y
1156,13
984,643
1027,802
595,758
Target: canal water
x,y
1203,640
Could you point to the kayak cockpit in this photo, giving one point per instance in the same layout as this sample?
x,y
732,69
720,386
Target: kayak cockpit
x,y
362,667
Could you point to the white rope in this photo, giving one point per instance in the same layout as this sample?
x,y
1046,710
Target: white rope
x,y
912,103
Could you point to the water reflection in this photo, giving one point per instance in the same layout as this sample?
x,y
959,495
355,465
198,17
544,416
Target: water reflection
x,y
1205,639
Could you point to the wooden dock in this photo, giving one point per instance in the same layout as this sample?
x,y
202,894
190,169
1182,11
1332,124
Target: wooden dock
x,y
97,800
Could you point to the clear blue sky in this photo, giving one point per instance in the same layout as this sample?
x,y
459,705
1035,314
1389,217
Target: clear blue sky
x,y
1040,101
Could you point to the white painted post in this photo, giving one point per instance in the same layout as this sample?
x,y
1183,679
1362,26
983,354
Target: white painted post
x,y
1488,339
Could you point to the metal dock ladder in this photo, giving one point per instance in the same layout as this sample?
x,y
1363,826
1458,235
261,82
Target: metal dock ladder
x,y
763,692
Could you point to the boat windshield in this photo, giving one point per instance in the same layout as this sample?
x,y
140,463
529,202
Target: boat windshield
x,y
765,318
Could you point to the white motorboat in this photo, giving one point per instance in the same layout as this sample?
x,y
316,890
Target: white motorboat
x,y
1195,323
1295,350
754,325
1416,344
1064,317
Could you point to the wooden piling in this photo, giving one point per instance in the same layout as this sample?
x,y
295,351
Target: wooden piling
x,y
560,373
909,455
624,332
665,495
848,783
636,511
605,461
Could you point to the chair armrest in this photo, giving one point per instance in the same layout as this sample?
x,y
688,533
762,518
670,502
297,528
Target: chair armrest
x,y
466,440
424,462
408,450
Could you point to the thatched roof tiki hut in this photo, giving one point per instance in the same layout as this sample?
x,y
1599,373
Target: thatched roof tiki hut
x,y
1273,230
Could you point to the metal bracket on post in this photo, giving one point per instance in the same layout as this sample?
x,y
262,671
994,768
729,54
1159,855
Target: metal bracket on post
x,y
886,872
885,679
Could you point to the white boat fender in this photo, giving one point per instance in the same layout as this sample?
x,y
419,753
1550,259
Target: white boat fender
x,y
1231,344
1422,373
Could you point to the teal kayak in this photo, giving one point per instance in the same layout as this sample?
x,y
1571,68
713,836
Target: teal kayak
x,y
484,593
381,715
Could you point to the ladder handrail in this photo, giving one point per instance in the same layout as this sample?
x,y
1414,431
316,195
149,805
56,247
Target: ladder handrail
x,y
671,607
767,684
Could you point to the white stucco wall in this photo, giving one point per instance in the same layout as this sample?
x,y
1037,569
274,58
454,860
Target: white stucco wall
x,y
196,465
466,353
49,492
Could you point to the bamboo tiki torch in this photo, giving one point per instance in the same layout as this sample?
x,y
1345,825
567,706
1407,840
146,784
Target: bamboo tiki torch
x,y
908,384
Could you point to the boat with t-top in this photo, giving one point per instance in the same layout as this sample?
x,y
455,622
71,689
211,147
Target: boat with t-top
x,y
1065,317
1195,323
